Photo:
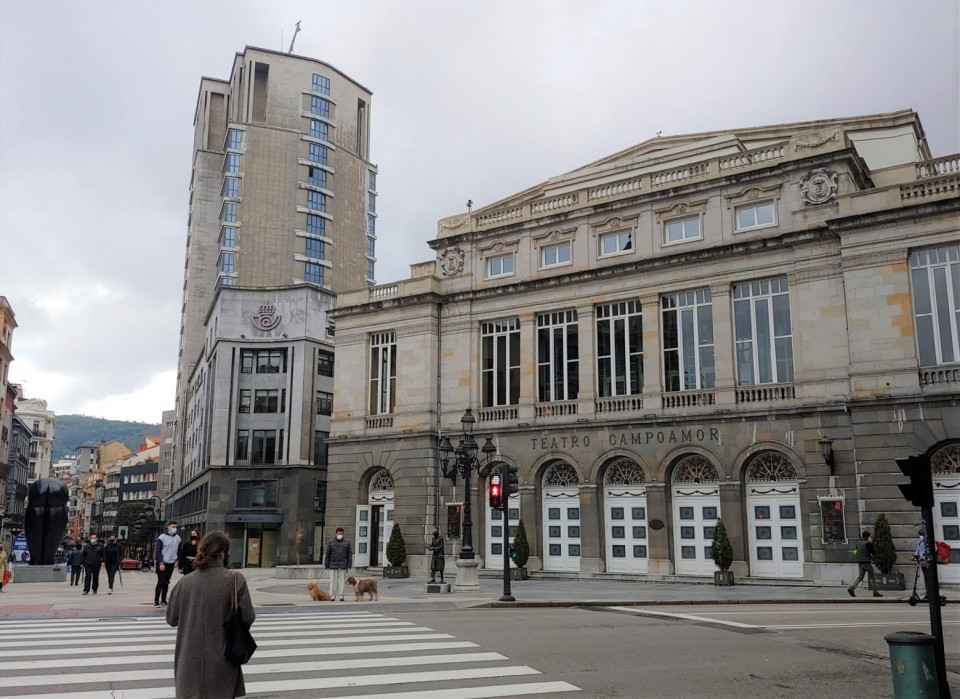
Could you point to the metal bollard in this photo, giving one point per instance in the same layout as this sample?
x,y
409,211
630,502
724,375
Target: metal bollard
x,y
912,664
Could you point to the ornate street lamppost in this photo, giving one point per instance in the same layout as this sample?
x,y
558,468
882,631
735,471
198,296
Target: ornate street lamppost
x,y
463,463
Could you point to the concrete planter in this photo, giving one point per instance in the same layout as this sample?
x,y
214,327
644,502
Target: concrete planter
x,y
891,581
396,572
518,574
723,578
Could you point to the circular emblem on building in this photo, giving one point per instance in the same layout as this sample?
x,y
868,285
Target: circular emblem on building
x,y
267,317
818,186
451,261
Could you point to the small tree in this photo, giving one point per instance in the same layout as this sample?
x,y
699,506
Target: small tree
x,y
884,553
396,550
520,546
720,550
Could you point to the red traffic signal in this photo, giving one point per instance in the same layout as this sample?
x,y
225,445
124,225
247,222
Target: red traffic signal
x,y
919,489
496,501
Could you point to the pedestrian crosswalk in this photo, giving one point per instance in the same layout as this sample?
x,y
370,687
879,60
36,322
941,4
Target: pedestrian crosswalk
x,y
320,655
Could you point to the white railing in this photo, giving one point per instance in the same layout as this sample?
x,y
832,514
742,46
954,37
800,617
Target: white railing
x,y
941,166
380,422
556,409
620,404
501,216
498,414
766,394
613,190
752,157
379,292
689,399
563,202
688,172
947,186
940,376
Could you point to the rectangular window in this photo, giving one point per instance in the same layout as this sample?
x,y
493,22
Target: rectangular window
x,y
243,445
500,362
317,177
319,129
316,224
313,273
265,400
228,237
320,84
371,225
552,255
371,269
324,364
383,372
246,361
688,341
318,154
372,202
231,187
373,180
264,447
256,494
619,349
234,139
232,162
935,278
681,229
762,330
316,201
558,356
229,212
271,361
755,216
226,281
613,243
500,266
244,402
324,403
320,106
226,262
371,247
314,248
320,455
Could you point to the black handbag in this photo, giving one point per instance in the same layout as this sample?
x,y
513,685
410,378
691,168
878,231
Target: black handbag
x,y
238,643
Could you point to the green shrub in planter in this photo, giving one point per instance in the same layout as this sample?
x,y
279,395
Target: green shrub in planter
x,y
720,550
884,553
396,550
520,546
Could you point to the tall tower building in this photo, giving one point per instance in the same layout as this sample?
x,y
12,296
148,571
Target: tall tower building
x,y
282,218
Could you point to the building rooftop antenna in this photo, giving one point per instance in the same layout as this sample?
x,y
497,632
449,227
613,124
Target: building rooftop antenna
x,y
296,30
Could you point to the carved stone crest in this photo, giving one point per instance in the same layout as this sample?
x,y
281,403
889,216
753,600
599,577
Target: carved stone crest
x,y
818,186
451,261
680,208
267,317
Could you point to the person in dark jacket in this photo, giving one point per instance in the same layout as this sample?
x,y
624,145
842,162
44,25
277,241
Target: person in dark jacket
x,y
92,558
338,559
112,555
188,553
75,561
865,553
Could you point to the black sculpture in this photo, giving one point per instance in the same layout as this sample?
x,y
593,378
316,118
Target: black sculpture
x,y
46,519
437,562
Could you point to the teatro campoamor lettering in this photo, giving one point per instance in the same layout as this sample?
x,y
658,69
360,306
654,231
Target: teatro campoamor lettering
x,y
633,438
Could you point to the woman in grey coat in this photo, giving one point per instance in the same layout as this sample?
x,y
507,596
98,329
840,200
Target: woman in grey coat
x,y
199,604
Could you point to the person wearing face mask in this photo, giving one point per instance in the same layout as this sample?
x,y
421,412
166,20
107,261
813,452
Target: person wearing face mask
x,y
75,561
92,557
338,559
188,553
167,553
112,555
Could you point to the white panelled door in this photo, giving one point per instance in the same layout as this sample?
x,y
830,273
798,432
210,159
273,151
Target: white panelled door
x,y
695,517
561,530
946,523
776,550
361,556
626,535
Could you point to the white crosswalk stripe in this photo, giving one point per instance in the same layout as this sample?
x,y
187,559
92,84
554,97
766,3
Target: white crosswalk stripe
x,y
299,655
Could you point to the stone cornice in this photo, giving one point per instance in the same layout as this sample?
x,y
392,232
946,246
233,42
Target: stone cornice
x,y
875,259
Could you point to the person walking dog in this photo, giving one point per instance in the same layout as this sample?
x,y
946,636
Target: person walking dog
x,y
865,562
199,604
92,558
338,559
167,551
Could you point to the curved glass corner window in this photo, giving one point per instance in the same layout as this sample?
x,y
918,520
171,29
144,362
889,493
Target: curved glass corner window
x,y
228,237
320,106
315,248
319,129
232,162
234,139
226,262
316,224
553,255
317,154
755,216
231,187
682,229
313,273
316,201
500,266
614,243
320,84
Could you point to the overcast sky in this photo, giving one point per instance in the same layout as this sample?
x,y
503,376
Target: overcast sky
x,y
472,100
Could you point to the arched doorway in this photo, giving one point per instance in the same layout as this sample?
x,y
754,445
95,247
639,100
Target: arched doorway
x,y
561,517
625,513
374,521
493,557
945,464
696,509
773,513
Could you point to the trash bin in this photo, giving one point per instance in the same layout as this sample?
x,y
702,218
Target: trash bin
x,y
912,664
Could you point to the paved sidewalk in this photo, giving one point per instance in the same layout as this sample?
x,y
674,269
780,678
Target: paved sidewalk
x,y
135,596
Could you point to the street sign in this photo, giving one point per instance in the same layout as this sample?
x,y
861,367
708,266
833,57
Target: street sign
x,y
20,552
122,532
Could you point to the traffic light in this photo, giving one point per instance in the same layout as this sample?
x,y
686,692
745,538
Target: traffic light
x,y
496,501
513,553
919,490
513,483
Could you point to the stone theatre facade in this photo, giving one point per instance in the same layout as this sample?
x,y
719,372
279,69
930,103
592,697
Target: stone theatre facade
x,y
746,325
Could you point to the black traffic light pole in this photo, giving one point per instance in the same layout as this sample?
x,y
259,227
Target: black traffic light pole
x,y
505,505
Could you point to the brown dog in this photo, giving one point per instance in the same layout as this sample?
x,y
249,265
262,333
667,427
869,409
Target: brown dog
x,y
363,587
316,594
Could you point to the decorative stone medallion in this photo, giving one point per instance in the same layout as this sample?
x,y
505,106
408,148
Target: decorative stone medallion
x,y
818,186
267,317
451,261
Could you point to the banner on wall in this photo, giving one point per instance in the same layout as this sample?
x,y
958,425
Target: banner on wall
x,y
831,514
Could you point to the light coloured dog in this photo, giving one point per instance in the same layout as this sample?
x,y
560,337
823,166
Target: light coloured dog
x,y
316,594
362,587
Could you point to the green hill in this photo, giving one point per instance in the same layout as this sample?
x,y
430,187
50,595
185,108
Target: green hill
x,y
74,430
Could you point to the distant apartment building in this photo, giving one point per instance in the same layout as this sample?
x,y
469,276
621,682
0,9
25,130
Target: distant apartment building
x,y
282,216
168,433
16,487
42,422
7,325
